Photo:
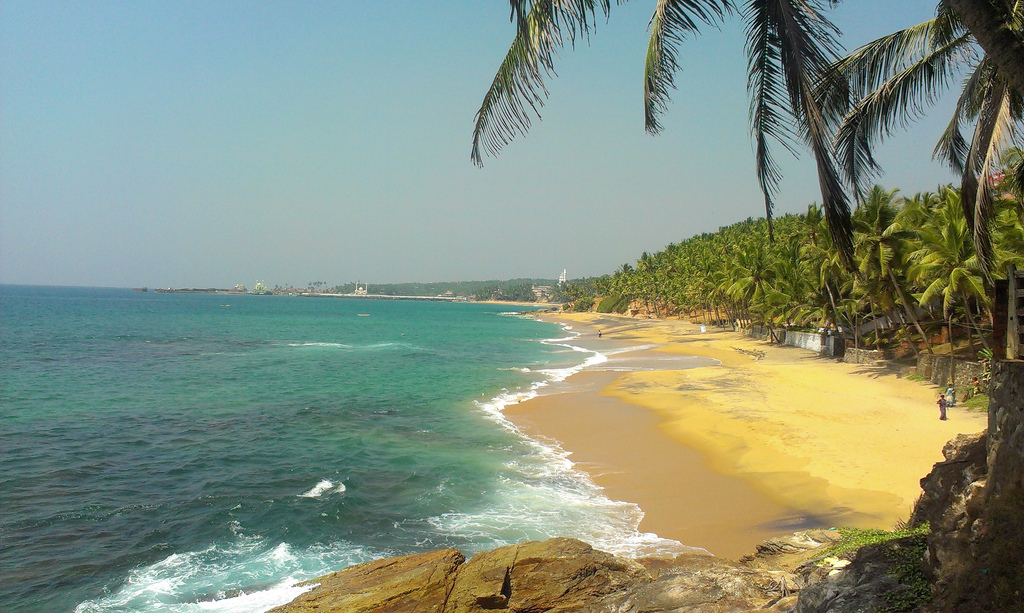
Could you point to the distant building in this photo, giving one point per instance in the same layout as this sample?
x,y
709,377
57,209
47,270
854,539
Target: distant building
x,y
561,278
543,293
360,291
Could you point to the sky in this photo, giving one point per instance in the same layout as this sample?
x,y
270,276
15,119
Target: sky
x,y
204,144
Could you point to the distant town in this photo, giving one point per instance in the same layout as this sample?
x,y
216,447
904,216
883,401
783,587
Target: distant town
x,y
546,291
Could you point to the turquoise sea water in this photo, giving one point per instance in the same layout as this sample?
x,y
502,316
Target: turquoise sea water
x,y
174,452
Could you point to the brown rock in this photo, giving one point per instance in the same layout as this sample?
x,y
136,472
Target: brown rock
x,y
950,502
701,584
419,583
558,575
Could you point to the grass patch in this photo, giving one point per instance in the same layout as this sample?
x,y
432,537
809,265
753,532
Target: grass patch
x,y
916,377
906,548
907,570
978,403
851,539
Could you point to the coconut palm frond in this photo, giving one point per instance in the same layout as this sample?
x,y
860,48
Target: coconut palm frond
x,y
994,130
790,44
952,147
672,22
892,105
769,117
575,18
873,65
517,91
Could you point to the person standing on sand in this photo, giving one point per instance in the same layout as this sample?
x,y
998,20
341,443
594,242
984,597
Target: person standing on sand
x,y
942,406
951,396
599,334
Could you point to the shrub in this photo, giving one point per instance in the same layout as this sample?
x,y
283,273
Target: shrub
x,y
613,304
583,304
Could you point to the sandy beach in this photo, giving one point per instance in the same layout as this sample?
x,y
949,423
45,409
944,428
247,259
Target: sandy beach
x,y
725,441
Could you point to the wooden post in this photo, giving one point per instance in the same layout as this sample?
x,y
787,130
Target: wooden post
x,y
1015,313
1001,318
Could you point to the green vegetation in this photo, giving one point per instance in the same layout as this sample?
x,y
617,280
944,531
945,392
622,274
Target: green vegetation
x,y
907,557
583,304
906,548
518,290
613,304
977,403
802,94
916,280
852,539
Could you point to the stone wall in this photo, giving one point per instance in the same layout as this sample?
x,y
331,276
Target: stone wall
x,y
864,356
1006,427
761,332
935,368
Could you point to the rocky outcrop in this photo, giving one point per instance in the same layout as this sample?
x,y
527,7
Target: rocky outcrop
x,y
420,582
867,584
555,576
952,502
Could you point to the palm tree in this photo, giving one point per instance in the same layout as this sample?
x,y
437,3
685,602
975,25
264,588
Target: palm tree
x,y
884,85
789,45
947,266
988,22
880,238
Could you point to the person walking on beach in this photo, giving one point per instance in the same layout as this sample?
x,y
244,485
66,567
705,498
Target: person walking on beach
x,y
942,406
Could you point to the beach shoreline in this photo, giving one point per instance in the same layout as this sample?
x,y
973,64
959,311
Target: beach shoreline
x,y
724,441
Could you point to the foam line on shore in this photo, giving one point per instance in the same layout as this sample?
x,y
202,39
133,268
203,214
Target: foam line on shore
x,y
547,473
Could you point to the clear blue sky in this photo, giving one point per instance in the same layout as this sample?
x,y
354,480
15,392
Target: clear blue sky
x,y
213,143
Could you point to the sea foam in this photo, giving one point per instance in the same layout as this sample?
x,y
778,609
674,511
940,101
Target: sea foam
x,y
543,494
321,488
246,576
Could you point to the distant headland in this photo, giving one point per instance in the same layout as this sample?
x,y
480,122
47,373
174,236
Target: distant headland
x,y
546,291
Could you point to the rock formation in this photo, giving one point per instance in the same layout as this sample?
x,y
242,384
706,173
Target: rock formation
x,y
557,576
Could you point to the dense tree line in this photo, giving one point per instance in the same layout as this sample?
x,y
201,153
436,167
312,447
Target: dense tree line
x,y
916,272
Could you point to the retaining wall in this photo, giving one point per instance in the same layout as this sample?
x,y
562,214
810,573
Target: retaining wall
x,y
865,356
935,368
1006,427
822,344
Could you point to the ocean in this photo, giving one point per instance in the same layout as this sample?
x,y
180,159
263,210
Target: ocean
x,y
188,452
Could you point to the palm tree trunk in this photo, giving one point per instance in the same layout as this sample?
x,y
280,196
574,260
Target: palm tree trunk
x,y
952,353
878,337
910,312
906,333
856,331
981,334
990,28
832,301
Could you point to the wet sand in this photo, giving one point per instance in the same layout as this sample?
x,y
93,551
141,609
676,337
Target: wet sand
x,y
724,441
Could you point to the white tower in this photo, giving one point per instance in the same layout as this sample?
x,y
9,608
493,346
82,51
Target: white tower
x,y
561,278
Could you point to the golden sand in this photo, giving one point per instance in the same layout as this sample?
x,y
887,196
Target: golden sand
x,y
767,441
